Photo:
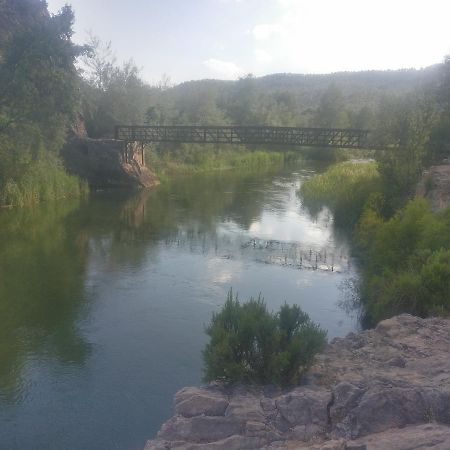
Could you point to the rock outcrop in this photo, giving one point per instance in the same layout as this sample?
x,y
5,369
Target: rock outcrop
x,y
381,389
108,163
435,186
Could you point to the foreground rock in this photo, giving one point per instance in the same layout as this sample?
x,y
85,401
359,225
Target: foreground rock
x,y
108,163
387,388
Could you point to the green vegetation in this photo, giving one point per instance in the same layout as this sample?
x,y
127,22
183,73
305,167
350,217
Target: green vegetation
x,y
404,246
197,159
38,92
344,188
406,261
250,344
405,256
42,180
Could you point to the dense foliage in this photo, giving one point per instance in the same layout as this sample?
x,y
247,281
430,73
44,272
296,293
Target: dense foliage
x,y
250,344
406,261
38,100
405,256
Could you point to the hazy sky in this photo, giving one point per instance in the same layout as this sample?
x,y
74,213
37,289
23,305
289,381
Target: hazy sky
x,y
193,39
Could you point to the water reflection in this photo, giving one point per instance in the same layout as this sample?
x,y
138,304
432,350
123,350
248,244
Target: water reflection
x,y
42,268
103,302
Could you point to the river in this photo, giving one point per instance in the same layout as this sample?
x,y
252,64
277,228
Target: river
x,y
103,301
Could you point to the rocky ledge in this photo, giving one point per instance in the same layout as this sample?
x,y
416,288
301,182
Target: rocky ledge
x,y
108,163
383,389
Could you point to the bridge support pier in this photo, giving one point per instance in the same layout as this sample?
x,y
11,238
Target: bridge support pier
x,y
134,151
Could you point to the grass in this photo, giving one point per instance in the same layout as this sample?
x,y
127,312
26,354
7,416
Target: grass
x,y
173,164
344,188
41,181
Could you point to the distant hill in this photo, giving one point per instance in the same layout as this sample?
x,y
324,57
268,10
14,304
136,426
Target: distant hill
x,y
359,89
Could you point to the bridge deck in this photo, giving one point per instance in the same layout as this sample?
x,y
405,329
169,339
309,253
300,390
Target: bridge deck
x,y
306,137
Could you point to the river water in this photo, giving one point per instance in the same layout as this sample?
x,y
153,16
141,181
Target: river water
x,y
103,302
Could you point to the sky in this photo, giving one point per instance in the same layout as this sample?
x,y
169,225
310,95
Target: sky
x,y
226,39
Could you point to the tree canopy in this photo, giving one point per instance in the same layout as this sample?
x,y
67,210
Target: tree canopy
x,y
39,85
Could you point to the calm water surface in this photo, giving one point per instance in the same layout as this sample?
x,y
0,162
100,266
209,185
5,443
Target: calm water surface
x,y
103,302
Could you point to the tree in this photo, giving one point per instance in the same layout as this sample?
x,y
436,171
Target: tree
x,y
444,89
404,126
363,119
38,89
245,103
38,79
250,344
112,94
440,136
99,63
151,115
331,112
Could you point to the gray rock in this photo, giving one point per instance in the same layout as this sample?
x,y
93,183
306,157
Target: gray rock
x,y
247,407
430,437
387,388
304,406
201,428
191,402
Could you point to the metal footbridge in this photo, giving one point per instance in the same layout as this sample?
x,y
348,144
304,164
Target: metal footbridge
x,y
246,135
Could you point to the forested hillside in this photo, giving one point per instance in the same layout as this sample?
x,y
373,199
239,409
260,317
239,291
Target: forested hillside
x,y
358,89
341,99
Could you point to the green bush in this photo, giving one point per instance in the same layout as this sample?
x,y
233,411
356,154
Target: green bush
x,y
252,345
406,262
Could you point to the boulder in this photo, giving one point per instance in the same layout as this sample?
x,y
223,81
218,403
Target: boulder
x,y
191,402
108,163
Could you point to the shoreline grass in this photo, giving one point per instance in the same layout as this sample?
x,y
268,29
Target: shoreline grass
x,y
41,181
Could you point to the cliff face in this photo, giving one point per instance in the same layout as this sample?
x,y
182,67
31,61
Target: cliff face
x,y
387,388
107,163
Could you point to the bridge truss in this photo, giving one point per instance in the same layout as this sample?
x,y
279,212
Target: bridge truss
x,y
294,136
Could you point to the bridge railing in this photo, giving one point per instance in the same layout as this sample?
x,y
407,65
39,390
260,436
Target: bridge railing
x,y
294,136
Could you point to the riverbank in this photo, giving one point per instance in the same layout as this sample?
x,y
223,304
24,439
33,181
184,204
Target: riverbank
x,y
43,180
195,158
168,164
377,389
401,241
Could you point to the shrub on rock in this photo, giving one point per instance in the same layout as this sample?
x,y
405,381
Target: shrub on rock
x,y
252,345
